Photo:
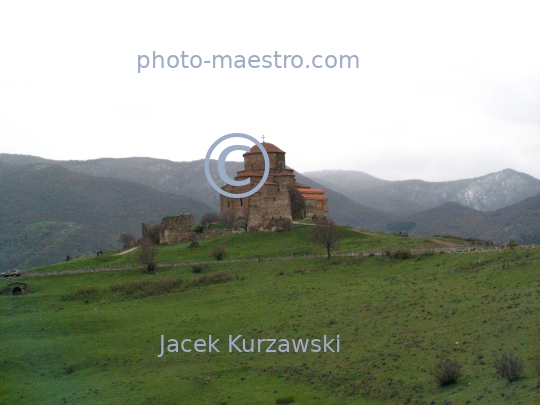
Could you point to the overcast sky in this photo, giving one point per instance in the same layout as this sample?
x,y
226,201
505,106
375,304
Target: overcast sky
x,y
442,91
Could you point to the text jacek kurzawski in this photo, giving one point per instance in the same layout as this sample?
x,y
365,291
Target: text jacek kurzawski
x,y
237,344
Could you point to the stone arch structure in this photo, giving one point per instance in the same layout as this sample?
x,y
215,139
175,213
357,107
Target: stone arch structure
x,y
15,289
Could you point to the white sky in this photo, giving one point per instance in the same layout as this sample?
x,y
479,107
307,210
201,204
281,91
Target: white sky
x,y
443,91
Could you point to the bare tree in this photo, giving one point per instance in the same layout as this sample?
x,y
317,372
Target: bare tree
x,y
147,254
326,233
209,218
228,217
127,239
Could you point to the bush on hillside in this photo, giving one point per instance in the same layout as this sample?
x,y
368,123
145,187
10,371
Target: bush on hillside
x,y
509,366
512,244
197,268
127,239
401,254
147,288
219,252
146,255
209,218
216,278
283,224
446,372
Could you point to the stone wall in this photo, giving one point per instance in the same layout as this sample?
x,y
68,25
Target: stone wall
x,y
316,209
176,229
172,229
208,233
268,205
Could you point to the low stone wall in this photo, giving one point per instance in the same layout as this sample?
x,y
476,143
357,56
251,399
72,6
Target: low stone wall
x,y
208,233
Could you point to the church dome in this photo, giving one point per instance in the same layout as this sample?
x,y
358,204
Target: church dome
x,y
270,148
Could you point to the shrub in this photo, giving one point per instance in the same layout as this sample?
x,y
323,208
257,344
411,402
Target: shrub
x,y
152,233
146,288
219,252
285,400
401,254
209,218
509,366
198,268
512,244
227,218
147,254
298,204
423,255
446,372
127,239
216,278
199,228
283,224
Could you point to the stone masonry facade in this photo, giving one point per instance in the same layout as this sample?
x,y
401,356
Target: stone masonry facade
x,y
269,209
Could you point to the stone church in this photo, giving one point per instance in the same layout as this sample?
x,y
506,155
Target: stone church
x,y
270,209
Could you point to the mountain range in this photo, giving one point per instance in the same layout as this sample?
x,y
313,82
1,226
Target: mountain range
x,y
48,212
49,209
487,193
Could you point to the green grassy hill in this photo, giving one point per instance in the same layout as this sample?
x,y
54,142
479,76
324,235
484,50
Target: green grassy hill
x,y
95,337
48,212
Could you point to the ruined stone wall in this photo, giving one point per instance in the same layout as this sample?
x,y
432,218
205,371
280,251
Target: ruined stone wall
x,y
176,229
208,233
172,229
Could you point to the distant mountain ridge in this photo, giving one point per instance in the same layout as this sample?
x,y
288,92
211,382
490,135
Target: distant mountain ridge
x,y
52,208
520,222
48,212
487,193
189,179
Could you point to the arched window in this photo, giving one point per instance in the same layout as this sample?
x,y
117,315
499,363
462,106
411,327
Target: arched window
x,y
241,202
228,203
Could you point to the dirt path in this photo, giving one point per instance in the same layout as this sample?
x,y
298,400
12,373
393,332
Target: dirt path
x,y
442,242
125,252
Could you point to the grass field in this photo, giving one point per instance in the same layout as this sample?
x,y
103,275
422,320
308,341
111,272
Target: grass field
x,y
95,338
250,245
